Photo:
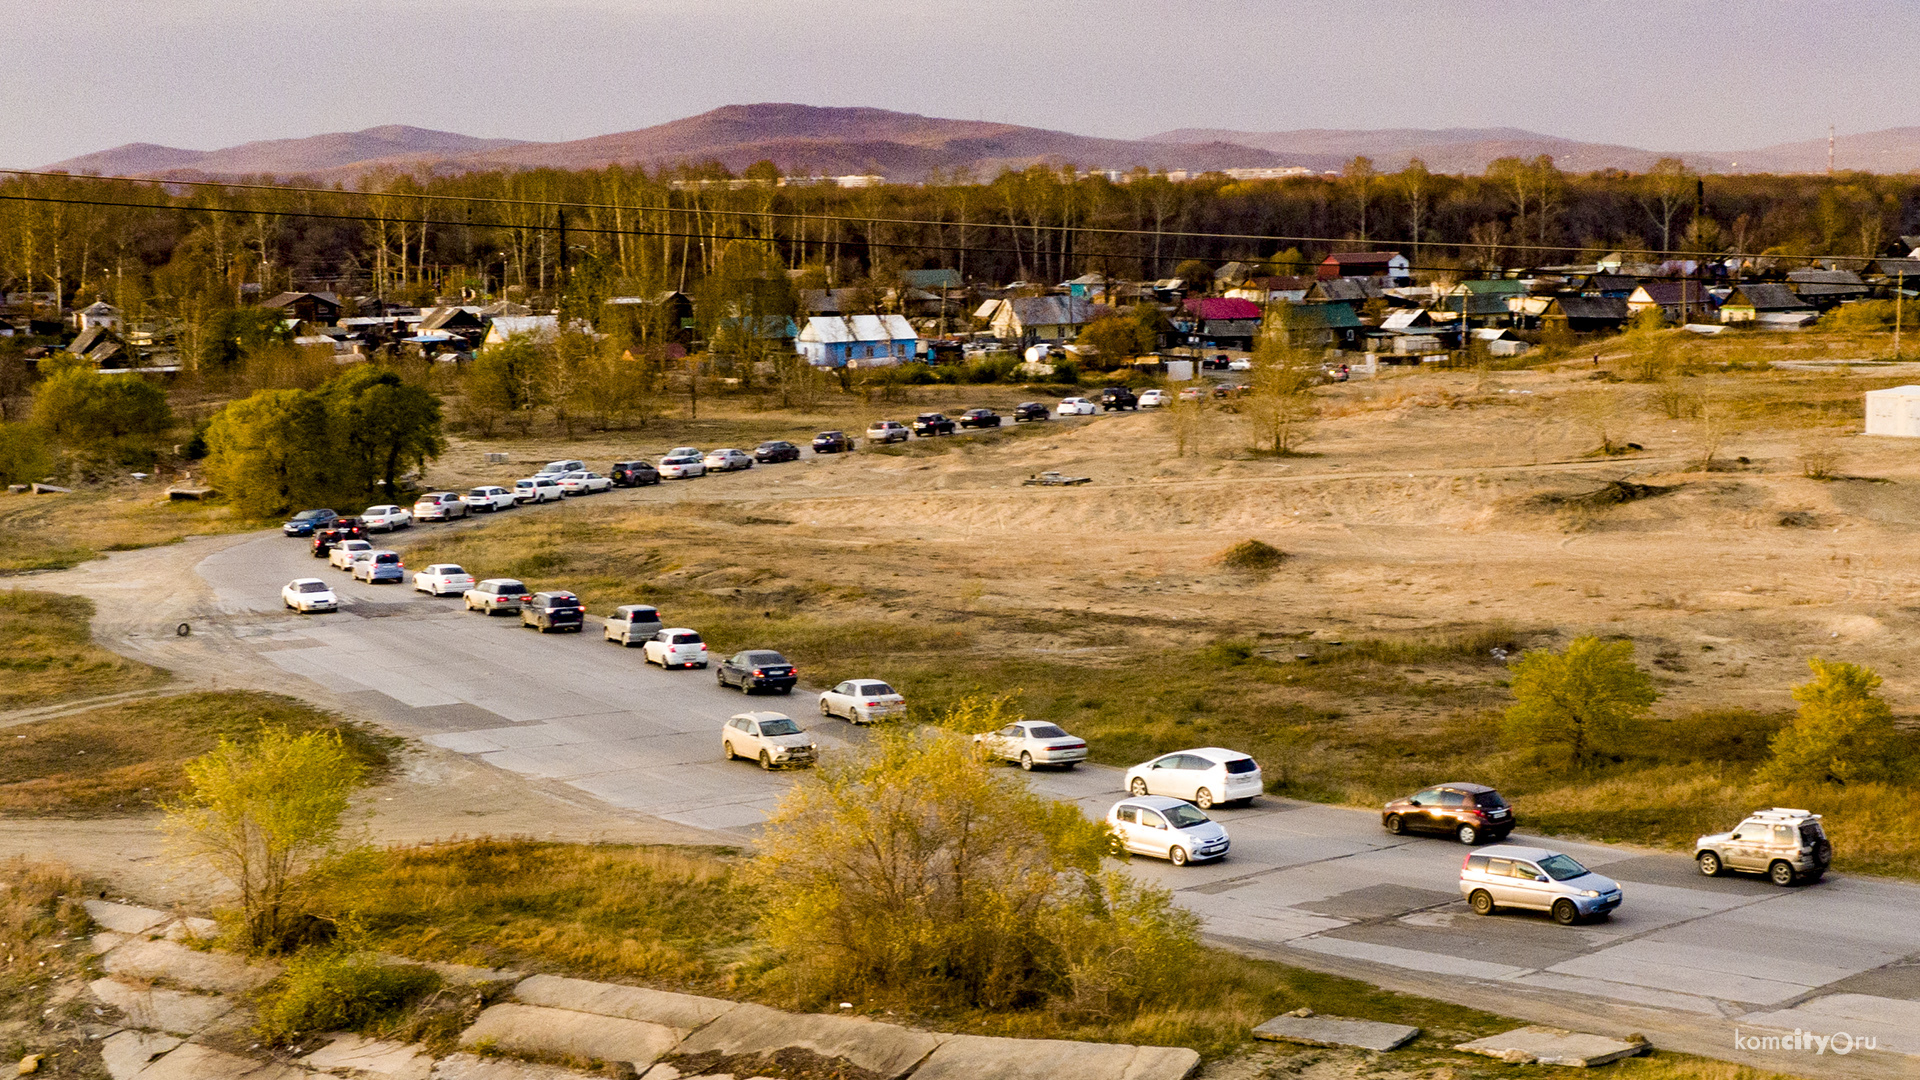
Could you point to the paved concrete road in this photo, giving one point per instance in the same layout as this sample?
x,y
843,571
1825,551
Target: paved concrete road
x,y
1686,959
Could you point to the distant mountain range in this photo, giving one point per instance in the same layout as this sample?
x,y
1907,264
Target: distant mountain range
x,y
808,141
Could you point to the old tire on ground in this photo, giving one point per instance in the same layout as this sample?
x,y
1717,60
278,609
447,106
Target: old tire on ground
x,y
1481,902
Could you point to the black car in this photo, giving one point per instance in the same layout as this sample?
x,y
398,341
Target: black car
x,y
633,474
341,528
777,450
1031,410
832,442
757,669
932,423
1468,812
553,611
1118,397
306,522
979,418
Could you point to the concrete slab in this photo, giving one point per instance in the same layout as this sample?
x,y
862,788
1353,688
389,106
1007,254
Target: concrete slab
x,y
182,929
374,1056
1336,1031
755,1029
473,1067
125,918
174,1011
1394,956
534,1029
1638,995
192,1061
1894,1024
681,1012
970,1057
167,960
1552,1046
103,940
130,1051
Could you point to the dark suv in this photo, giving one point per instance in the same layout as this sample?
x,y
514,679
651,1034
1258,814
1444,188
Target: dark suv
x,y
1031,410
979,418
932,423
553,611
777,450
633,474
1118,397
832,442
757,669
346,528
1469,813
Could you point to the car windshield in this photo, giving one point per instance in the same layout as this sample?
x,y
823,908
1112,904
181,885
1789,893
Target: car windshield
x,y
1242,765
1046,731
781,726
1489,799
873,688
312,586
1184,816
1562,867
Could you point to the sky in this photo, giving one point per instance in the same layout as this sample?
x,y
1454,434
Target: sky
x,y
85,75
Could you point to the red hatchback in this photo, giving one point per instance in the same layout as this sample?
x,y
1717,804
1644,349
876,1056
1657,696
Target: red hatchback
x,y
1469,813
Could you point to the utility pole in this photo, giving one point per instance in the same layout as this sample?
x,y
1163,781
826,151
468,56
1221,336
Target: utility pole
x,y
1829,149
1899,294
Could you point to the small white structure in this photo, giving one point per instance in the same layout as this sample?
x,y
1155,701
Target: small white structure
x,y
540,328
100,314
1894,411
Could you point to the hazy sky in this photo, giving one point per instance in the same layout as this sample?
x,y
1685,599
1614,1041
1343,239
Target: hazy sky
x,y
84,75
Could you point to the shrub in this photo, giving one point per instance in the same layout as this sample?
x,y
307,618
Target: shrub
x,y
1844,731
1589,700
339,989
1252,556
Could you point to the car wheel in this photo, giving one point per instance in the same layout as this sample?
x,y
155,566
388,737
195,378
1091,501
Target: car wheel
x,y
1203,799
1709,864
1138,787
1468,834
1396,826
1781,873
824,710
746,685
1026,761
728,748
1565,913
1481,902
1177,856
766,761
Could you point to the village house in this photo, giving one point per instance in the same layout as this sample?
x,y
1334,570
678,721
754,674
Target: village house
x,y
540,328
99,313
1828,289
1390,266
1677,301
320,309
1272,290
836,341
1585,314
1032,319
1766,302
1222,322
1317,325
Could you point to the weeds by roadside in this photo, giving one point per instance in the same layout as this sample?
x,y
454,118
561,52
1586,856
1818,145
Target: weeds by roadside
x,y
47,654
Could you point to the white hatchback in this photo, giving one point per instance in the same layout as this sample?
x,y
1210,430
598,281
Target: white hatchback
x,y
489,499
442,579
340,556
386,518
1077,406
862,701
538,489
309,594
1152,399
727,459
1202,777
682,463
1166,829
439,506
675,646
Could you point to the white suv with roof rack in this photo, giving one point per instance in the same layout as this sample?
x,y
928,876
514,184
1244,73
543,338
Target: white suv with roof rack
x,y
1785,844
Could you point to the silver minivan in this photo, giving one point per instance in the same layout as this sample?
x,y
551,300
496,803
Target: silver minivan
x,y
1508,875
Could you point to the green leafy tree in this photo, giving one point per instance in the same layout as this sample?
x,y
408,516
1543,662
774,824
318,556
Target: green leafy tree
x,y
1282,408
386,425
23,454
263,813
1844,731
914,870
1115,338
1589,700
273,451
89,411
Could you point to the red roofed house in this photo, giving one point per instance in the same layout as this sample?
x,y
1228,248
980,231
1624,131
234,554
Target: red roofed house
x,y
1390,265
1225,322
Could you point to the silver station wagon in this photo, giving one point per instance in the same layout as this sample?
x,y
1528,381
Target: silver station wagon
x,y
1508,875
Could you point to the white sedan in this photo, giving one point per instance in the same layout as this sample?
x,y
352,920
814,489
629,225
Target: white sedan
x,y
1242,364
1033,742
340,557
1152,399
862,701
1077,406
442,579
728,460
439,506
582,482
488,499
309,594
770,738
386,518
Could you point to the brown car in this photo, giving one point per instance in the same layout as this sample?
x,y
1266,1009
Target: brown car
x,y
1468,812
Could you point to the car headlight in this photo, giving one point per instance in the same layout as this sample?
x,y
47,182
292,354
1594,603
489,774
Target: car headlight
x,y
1590,893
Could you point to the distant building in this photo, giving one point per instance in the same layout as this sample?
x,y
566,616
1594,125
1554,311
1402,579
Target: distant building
x,y
835,341
1586,314
319,308
1756,300
1031,319
100,314
540,328
1221,321
1677,301
1272,290
1389,265
1894,411
1828,289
